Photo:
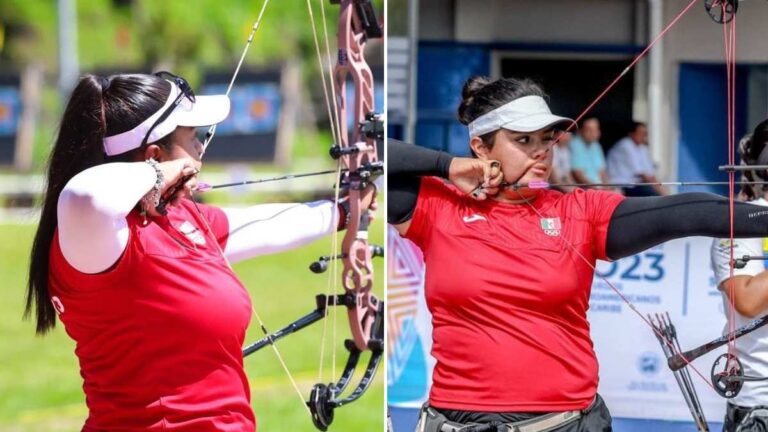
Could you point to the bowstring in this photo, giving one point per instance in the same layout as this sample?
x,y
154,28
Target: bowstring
x,y
626,70
263,327
729,46
209,137
212,130
337,118
330,99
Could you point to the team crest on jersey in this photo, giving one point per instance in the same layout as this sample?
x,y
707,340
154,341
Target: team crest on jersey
x,y
192,233
551,226
57,304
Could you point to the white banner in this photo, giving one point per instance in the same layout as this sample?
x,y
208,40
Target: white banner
x,y
674,278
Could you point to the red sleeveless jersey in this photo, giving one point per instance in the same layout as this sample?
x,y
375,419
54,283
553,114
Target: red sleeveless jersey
x,y
159,335
509,298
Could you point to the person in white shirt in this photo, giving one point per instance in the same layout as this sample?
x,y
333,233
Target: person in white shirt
x,y
629,161
748,411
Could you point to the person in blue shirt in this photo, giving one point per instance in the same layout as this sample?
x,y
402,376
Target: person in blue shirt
x,y
587,159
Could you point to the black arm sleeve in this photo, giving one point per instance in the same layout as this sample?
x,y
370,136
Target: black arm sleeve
x,y
406,164
641,223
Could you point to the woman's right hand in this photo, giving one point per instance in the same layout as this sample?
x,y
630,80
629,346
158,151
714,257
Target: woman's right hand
x,y
479,178
173,172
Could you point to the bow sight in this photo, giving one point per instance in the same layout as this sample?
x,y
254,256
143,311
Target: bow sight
x,y
367,16
321,265
372,127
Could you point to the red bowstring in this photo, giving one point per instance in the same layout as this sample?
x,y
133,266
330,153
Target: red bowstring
x,y
631,65
730,48
729,44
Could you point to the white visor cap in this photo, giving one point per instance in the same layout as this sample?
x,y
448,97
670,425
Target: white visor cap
x,y
525,114
205,111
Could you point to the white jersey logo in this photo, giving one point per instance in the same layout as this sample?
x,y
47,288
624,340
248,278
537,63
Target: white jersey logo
x,y
192,233
474,218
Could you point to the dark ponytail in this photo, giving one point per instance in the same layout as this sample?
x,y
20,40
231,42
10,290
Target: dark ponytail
x,y
480,95
98,107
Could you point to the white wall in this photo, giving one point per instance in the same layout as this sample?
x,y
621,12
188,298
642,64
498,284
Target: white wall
x,y
436,20
599,21
695,38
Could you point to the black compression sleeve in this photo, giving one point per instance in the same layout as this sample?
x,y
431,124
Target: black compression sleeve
x,y
402,194
406,164
405,159
641,223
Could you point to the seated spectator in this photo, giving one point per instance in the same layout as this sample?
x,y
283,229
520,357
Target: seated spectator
x,y
629,161
587,159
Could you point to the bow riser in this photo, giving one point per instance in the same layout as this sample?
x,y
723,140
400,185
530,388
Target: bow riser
x,y
356,150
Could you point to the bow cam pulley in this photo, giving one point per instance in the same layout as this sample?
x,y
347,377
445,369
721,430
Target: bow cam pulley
x,y
728,379
721,11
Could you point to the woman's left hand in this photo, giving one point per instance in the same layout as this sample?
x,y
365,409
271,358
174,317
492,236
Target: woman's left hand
x,y
369,195
368,205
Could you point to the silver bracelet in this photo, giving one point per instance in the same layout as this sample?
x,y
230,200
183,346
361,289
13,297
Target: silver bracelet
x,y
153,196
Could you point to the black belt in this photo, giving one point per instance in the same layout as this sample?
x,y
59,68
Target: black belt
x,y
430,420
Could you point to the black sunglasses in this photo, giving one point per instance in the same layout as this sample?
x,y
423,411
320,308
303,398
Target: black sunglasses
x,y
186,92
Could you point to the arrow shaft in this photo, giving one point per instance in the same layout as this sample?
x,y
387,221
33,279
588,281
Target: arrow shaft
x,y
542,185
730,168
205,187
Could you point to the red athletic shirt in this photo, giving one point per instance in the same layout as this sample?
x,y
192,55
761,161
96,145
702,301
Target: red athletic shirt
x,y
509,300
159,335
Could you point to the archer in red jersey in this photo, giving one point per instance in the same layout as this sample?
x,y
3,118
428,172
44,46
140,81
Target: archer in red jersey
x,y
147,293
509,267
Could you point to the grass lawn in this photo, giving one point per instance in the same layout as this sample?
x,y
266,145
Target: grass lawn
x,y
40,381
